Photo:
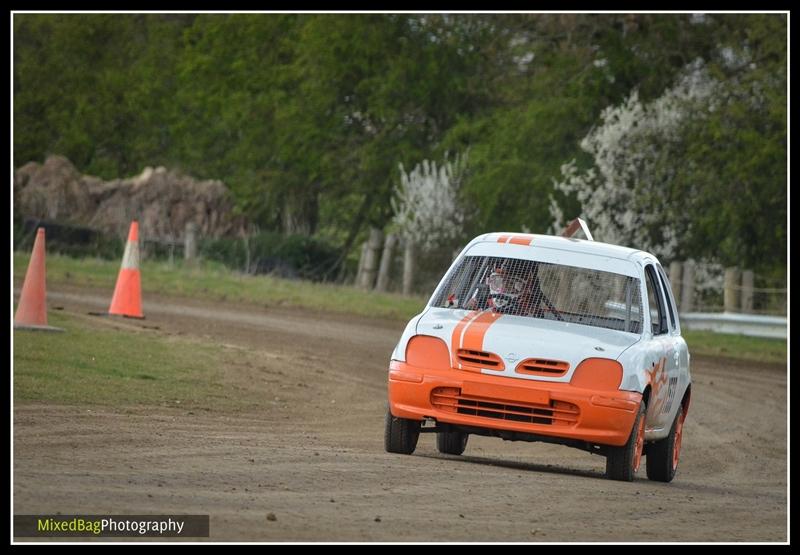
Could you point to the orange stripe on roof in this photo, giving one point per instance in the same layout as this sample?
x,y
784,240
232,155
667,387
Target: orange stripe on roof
x,y
502,238
474,334
521,239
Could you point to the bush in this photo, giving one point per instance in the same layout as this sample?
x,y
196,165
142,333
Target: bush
x,y
75,241
290,256
230,252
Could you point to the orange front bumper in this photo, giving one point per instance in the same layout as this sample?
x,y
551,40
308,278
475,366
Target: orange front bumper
x,y
497,402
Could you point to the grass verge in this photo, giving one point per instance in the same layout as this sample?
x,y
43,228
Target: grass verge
x,y
214,281
96,364
756,349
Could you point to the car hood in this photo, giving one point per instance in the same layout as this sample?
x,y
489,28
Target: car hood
x,y
516,338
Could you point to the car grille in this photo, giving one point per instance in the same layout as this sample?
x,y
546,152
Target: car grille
x,y
557,413
479,359
542,367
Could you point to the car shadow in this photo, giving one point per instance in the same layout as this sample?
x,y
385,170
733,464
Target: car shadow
x,y
516,465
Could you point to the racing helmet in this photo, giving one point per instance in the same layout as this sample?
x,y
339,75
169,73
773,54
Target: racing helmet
x,y
505,286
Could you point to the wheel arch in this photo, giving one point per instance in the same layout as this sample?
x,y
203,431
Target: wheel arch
x,y
687,397
646,395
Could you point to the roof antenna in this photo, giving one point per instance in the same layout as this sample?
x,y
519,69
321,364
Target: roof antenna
x,y
574,226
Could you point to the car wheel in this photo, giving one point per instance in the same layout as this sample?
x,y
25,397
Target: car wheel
x,y
622,463
663,455
400,435
452,442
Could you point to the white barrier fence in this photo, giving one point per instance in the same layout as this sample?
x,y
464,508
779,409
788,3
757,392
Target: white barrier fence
x,y
722,322
728,322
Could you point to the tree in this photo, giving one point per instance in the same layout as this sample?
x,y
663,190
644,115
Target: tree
x,y
305,117
624,194
426,205
699,171
96,88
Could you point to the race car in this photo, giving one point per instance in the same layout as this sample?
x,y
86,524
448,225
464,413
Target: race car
x,y
545,338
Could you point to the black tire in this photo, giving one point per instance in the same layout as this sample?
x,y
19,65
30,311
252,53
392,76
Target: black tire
x,y
621,462
662,458
451,442
400,435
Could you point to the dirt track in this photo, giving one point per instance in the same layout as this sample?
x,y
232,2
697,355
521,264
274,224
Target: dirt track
x,y
313,455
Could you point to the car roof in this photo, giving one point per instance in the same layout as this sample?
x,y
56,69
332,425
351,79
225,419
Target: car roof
x,y
563,243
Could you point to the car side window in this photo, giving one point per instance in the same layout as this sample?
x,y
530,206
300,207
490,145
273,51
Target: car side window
x,y
658,317
668,296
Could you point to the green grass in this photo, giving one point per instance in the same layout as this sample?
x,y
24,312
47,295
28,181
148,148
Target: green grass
x,y
94,364
215,281
742,347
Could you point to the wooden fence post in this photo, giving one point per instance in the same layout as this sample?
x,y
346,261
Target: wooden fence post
x,y
142,245
386,262
190,242
687,287
747,291
361,260
246,241
675,269
730,292
171,240
409,266
370,269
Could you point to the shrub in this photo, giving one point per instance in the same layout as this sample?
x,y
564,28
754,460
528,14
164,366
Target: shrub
x,y
290,256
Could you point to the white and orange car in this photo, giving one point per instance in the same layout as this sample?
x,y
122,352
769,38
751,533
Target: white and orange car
x,y
544,338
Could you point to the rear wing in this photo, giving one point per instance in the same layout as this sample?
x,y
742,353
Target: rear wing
x,y
574,226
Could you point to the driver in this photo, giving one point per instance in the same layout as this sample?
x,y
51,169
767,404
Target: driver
x,y
517,290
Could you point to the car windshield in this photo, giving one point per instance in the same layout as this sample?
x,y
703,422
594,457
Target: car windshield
x,y
541,290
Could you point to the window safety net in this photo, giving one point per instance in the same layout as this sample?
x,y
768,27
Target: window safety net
x,y
541,290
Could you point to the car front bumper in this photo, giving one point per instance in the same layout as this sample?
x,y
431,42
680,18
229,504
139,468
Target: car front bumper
x,y
554,409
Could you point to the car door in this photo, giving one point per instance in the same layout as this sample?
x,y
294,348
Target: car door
x,y
677,352
662,369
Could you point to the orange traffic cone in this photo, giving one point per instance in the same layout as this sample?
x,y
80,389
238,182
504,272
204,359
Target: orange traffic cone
x,y
32,309
127,299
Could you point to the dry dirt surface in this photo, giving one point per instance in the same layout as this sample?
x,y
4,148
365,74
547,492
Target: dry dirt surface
x,y
312,457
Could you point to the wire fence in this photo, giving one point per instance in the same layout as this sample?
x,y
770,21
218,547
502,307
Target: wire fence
x,y
714,288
